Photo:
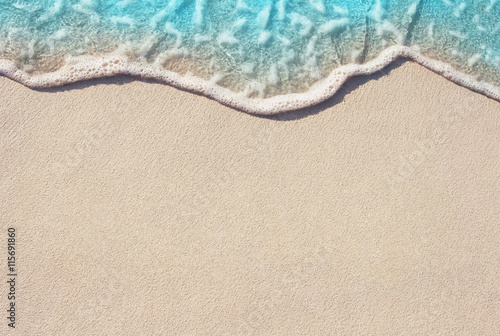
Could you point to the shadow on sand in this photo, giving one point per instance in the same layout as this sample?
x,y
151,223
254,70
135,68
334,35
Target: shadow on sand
x,y
350,85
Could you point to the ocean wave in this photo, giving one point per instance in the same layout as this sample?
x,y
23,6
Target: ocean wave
x,y
261,56
88,67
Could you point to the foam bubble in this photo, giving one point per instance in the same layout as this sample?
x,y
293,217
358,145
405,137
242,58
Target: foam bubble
x,y
255,49
83,68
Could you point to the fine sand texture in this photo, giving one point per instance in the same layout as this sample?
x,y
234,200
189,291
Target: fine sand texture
x,y
141,209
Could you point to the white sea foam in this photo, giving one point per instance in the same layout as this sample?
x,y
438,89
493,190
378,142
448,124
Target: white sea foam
x,y
200,6
281,9
387,28
247,68
340,10
198,38
318,5
283,39
300,20
458,11
457,34
412,9
227,37
430,31
88,7
60,34
333,25
171,8
264,36
54,10
88,67
273,77
123,20
490,6
263,17
474,59
124,3
378,12
147,45
30,52
169,29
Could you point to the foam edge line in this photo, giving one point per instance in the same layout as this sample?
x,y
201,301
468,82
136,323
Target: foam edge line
x,y
89,67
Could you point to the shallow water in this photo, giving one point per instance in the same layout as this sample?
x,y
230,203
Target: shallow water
x,y
256,48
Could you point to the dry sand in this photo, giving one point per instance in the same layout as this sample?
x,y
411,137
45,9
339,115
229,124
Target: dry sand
x,y
144,210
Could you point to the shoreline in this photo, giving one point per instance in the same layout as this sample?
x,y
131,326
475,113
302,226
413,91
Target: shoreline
x,y
81,69
374,212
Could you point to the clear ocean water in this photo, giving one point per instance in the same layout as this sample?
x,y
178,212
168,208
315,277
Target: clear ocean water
x,y
261,48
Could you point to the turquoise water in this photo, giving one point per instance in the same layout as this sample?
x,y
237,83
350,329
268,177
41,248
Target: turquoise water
x,y
258,48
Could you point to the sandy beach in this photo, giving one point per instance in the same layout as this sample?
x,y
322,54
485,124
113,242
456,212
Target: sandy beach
x,y
141,209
